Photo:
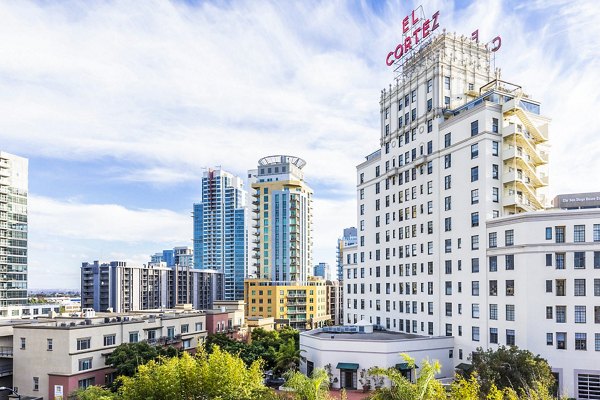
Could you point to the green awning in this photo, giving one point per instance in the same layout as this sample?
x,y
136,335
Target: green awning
x,y
464,367
350,366
404,367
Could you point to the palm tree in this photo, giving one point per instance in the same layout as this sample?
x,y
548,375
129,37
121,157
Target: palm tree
x,y
288,358
314,388
425,388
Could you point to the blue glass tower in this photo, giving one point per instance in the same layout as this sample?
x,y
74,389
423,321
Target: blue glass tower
x,y
220,230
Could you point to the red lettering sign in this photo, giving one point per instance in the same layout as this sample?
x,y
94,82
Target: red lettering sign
x,y
413,34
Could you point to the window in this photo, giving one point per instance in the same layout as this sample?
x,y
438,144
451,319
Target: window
x,y
475,333
579,260
23,343
493,263
493,335
475,242
580,341
548,233
510,312
83,343
510,262
561,314
596,287
475,196
509,237
49,345
548,260
448,245
510,287
87,382
560,260
448,161
495,148
495,197
559,234
597,342
493,241
597,259
548,286
474,151
549,312
448,203
109,340
474,265
447,82
474,174
580,314
448,309
448,143
36,383
474,128
596,232
494,125
510,337
494,311
133,337
429,129
579,233
447,182
579,287
549,339
475,310
448,288
185,328
475,288
85,363
429,105
561,340
447,224
494,171
493,287
560,287
429,85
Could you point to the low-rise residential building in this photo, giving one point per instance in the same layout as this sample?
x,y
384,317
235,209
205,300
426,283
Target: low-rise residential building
x,y
63,354
299,304
347,352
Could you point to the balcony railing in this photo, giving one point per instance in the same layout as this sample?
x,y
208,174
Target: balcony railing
x,y
6,351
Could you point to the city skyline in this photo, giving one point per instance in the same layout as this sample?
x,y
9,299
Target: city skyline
x,y
118,117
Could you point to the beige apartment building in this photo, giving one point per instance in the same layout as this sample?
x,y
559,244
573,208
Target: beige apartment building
x,y
52,358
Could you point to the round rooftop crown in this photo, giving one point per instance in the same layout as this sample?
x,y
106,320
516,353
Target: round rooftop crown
x,y
282,159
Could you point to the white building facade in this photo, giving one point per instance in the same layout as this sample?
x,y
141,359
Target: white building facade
x,y
459,149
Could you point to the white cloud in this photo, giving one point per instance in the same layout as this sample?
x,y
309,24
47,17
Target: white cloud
x,y
62,235
175,88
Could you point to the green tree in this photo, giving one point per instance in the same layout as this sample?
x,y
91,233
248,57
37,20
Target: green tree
x,y
93,393
219,375
314,388
288,357
511,367
426,386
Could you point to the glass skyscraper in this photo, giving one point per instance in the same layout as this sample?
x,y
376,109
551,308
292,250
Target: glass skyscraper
x,y
13,229
220,230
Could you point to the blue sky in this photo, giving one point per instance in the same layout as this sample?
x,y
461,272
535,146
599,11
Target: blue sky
x,y
119,108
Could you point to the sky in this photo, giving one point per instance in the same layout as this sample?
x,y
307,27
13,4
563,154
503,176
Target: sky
x,y
121,106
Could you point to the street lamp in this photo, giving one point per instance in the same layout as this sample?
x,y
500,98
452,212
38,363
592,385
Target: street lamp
x,y
2,388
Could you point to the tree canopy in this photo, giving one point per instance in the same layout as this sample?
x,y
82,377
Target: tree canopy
x,y
511,367
126,358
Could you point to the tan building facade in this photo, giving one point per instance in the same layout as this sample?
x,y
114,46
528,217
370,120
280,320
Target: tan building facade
x,y
64,354
302,305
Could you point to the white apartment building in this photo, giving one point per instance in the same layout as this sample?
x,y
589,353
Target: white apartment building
x,y
459,150
542,280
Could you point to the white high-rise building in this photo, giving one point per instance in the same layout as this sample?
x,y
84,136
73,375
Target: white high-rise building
x,y
447,243
13,230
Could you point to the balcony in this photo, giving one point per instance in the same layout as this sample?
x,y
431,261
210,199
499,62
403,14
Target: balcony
x,y
538,134
6,371
6,352
521,201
